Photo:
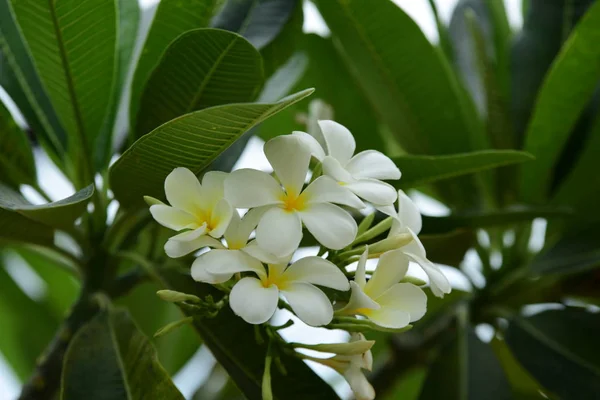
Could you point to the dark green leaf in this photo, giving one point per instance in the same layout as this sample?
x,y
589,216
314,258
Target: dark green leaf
x,y
172,18
192,141
200,69
73,46
109,358
448,248
58,214
259,21
16,227
16,159
375,39
566,90
420,170
334,84
232,342
560,349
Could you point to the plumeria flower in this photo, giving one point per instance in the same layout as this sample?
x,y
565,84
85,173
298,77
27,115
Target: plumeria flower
x,y
238,250
350,366
287,206
255,299
334,146
196,209
383,299
408,220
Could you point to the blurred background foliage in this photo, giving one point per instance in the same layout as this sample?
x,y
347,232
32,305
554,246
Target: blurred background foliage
x,y
500,126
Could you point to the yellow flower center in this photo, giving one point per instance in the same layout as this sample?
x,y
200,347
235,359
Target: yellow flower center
x,y
293,202
205,217
275,277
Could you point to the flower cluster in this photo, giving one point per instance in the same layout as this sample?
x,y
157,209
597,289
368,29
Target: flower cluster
x,y
250,255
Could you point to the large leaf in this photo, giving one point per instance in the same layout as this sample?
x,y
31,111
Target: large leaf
x,y
335,85
109,358
420,170
73,45
16,227
172,18
58,214
466,368
16,159
376,38
565,92
201,68
259,21
232,342
22,83
448,248
560,349
191,141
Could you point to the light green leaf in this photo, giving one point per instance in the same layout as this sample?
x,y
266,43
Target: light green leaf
x,y
421,170
16,159
73,45
123,363
200,69
560,349
376,38
566,90
259,21
232,342
58,214
172,18
192,141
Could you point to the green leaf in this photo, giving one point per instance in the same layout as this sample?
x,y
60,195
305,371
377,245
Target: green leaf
x,y
73,48
486,219
335,85
466,368
259,21
171,19
58,214
565,92
124,363
192,141
420,170
16,227
201,68
232,342
560,349
448,248
403,93
16,159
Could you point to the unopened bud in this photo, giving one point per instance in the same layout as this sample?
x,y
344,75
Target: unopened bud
x,y
172,326
151,201
414,280
177,297
391,243
346,349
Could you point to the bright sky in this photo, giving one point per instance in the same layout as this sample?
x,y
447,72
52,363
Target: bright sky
x,y
188,379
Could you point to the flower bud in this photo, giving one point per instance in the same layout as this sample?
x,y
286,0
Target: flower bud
x,y
177,297
151,201
391,243
351,348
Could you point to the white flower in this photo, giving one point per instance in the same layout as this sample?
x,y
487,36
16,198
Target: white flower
x,y
334,146
408,220
196,209
383,299
288,206
256,299
238,250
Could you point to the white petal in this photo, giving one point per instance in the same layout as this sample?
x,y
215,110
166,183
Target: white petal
x,y
183,190
387,210
317,271
178,248
325,190
405,297
279,231
252,301
200,272
377,192
437,280
391,268
389,317
333,168
333,227
309,303
213,186
315,148
340,142
188,236
231,262
289,158
254,250
248,188
360,276
359,384
408,213
372,164
358,301
318,110
172,218
220,218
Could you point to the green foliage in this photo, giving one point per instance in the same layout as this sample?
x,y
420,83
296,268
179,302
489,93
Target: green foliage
x,y
16,161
